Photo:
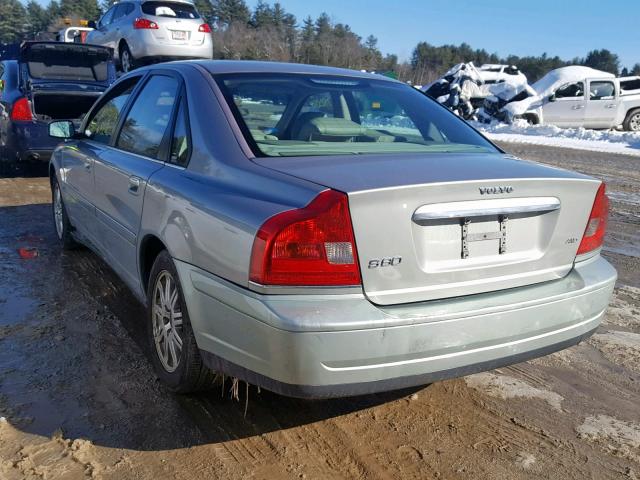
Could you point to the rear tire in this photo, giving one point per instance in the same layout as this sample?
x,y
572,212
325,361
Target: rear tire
x,y
61,222
173,347
127,62
632,122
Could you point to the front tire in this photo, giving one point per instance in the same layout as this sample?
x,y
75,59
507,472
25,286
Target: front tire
x,y
61,221
174,351
632,122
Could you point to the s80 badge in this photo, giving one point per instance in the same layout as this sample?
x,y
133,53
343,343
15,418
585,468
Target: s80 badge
x,y
385,262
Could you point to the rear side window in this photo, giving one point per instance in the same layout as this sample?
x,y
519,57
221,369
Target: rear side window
x,y
107,17
181,143
123,9
148,119
104,121
601,91
170,9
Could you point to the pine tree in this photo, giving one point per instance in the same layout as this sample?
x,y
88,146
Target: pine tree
x,y
226,12
206,10
13,23
635,70
37,18
603,60
262,15
83,9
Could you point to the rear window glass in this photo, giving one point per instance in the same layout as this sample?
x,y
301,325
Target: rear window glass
x,y
630,84
301,115
170,9
68,62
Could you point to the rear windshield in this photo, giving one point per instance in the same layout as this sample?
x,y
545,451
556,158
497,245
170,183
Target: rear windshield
x,y
67,62
170,9
301,115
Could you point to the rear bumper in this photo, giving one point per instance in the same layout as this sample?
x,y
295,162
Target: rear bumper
x,y
340,345
30,141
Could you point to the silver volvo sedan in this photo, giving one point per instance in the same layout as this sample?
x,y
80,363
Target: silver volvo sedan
x,y
322,232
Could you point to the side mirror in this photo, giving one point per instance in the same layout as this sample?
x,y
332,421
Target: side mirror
x,y
62,129
92,24
552,97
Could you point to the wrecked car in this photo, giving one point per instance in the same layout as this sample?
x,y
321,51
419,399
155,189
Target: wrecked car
x,y
322,232
464,87
459,90
47,81
494,73
573,96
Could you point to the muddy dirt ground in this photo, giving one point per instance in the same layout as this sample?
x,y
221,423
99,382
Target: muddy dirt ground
x,y
78,397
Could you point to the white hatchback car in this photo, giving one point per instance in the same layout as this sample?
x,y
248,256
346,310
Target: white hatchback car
x,y
148,31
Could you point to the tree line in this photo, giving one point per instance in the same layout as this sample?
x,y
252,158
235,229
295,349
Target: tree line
x,y
269,32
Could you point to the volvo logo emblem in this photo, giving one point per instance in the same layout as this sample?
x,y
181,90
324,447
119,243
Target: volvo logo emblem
x,y
495,190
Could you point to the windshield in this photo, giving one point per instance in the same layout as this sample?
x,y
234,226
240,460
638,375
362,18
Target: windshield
x,y
170,9
301,115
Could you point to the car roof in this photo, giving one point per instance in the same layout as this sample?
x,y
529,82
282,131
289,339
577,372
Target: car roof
x,y
252,66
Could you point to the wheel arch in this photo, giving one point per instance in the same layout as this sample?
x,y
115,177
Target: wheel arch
x,y
121,43
627,118
150,248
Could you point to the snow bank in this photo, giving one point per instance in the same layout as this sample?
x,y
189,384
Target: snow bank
x,y
609,141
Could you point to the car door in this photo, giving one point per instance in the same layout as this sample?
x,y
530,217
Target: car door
x,y
566,106
102,34
602,104
78,159
116,27
123,169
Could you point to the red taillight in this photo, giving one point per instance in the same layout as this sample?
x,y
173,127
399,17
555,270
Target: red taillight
x,y
594,233
313,245
144,23
204,28
21,110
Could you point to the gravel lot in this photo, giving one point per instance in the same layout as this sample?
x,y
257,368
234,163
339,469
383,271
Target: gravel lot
x,y
78,397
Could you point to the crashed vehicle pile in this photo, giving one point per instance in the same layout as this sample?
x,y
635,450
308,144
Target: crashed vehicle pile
x,y
573,96
464,88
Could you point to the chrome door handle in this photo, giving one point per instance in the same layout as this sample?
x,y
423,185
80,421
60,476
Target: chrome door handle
x,y
87,166
134,185
576,107
611,105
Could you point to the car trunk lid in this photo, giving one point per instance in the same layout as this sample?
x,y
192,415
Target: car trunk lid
x,y
43,63
437,226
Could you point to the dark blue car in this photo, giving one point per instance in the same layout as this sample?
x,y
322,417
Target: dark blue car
x,y
46,81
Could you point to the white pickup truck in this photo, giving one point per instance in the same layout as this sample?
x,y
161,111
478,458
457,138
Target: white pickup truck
x,y
575,97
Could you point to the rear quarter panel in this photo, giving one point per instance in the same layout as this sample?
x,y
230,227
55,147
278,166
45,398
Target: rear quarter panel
x,y
207,215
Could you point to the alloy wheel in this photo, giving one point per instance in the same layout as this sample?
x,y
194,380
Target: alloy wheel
x,y
167,321
58,211
634,122
126,61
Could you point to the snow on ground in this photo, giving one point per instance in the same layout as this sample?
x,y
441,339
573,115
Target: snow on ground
x,y
505,387
620,348
609,141
620,437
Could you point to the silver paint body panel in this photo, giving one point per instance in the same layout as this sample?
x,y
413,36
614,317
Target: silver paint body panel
x,y
404,320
